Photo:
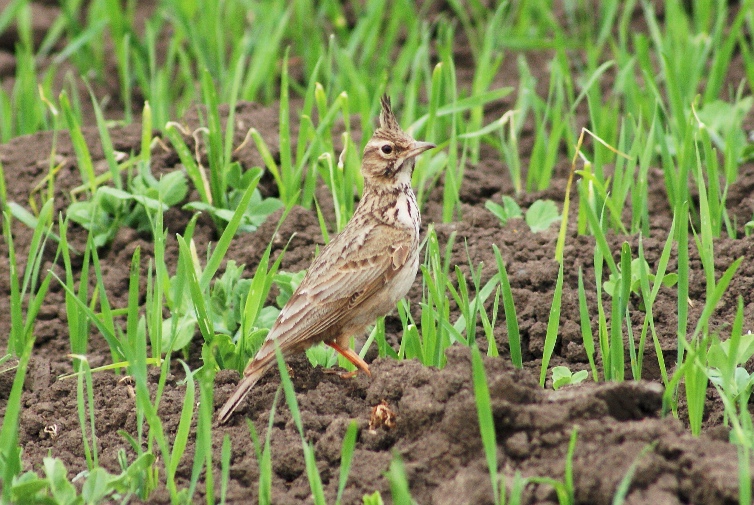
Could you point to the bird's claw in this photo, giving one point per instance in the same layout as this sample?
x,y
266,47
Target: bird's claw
x,y
342,375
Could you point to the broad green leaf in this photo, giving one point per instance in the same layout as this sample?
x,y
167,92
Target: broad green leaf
x,y
541,215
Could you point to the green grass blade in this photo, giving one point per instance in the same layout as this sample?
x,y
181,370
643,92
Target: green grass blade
x,y
511,321
586,327
84,158
346,456
486,422
552,327
184,424
218,254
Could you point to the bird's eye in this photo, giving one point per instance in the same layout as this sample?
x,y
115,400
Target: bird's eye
x,y
387,149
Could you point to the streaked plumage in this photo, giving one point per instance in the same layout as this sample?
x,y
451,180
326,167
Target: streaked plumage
x,y
362,273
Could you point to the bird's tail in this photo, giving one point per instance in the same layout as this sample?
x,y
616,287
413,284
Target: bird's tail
x,y
251,377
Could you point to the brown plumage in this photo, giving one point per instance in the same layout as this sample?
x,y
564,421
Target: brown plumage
x,y
362,273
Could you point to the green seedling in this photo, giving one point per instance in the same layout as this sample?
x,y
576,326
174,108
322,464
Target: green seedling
x,y
31,290
553,323
256,212
92,216
236,307
346,457
227,299
562,376
511,322
197,281
486,420
740,383
508,210
429,340
372,499
539,216
239,319
110,208
614,281
749,228
98,484
725,361
472,309
399,488
723,121
34,285
694,367
227,304
287,282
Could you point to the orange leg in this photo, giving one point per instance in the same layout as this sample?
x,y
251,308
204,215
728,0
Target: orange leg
x,y
351,356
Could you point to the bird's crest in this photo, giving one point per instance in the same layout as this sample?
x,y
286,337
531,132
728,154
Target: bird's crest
x,y
387,118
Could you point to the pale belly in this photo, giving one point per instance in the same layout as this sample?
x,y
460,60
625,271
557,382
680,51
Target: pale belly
x,y
403,281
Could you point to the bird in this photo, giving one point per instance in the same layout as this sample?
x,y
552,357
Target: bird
x,y
364,270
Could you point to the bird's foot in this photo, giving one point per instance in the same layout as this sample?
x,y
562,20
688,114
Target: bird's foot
x,y
342,375
351,356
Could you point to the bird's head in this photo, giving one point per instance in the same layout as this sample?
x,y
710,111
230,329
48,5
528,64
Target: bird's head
x,y
390,154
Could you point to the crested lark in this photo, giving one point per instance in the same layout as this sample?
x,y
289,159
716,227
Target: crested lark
x,y
362,273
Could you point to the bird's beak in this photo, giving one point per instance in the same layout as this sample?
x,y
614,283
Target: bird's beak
x,y
418,148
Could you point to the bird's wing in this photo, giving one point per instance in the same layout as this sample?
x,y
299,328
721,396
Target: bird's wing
x,y
345,275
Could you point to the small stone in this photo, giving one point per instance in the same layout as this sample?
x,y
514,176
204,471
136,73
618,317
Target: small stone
x,y
517,445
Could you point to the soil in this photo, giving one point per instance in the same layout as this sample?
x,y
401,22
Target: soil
x,y
436,431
